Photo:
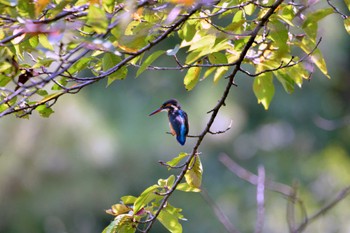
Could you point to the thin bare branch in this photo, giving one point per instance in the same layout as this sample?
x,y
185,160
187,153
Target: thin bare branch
x,y
222,131
342,194
260,200
336,10
220,215
252,178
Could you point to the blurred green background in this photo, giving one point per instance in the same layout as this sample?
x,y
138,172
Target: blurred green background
x,y
60,174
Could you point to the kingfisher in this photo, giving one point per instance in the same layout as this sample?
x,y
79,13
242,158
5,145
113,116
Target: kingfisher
x,y
178,121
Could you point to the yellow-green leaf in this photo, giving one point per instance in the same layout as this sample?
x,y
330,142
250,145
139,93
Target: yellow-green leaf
x,y
169,218
187,188
146,196
310,24
149,61
193,176
128,200
347,2
264,89
308,45
44,111
118,209
110,60
219,73
249,9
192,77
285,79
97,19
205,42
45,42
347,24
217,58
287,14
175,161
108,5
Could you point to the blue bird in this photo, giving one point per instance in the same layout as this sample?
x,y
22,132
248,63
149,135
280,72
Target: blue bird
x,y
178,120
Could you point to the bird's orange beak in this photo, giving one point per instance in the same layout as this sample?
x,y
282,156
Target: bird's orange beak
x,y
156,111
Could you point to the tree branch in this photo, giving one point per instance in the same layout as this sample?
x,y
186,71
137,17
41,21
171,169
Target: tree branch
x,y
215,110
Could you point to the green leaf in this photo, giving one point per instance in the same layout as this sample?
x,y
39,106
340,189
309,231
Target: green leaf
x,y
169,218
175,161
298,73
205,42
146,196
193,176
4,80
45,42
44,111
59,7
249,9
237,24
192,77
287,14
194,56
168,183
108,5
4,66
217,58
347,2
63,82
149,61
308,45
122,224
97,19
310,24
264,89
42,92
118,209
208,72
110,60
128,199
79,65
279,34
33,41
188,30
219,73
187,188
285,79
347,24
26,9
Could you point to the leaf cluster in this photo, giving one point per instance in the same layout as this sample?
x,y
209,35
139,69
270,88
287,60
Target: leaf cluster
x,y
69,45
133,213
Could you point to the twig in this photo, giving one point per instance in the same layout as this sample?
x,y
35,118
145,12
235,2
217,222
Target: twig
x,y
339,197
222,131
225,221
252,178
260,200
336,10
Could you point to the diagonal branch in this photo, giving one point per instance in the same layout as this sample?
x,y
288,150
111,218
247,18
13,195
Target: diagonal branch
x,y
215,110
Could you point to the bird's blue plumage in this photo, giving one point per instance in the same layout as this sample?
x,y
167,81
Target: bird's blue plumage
x,y
179,123
177,118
